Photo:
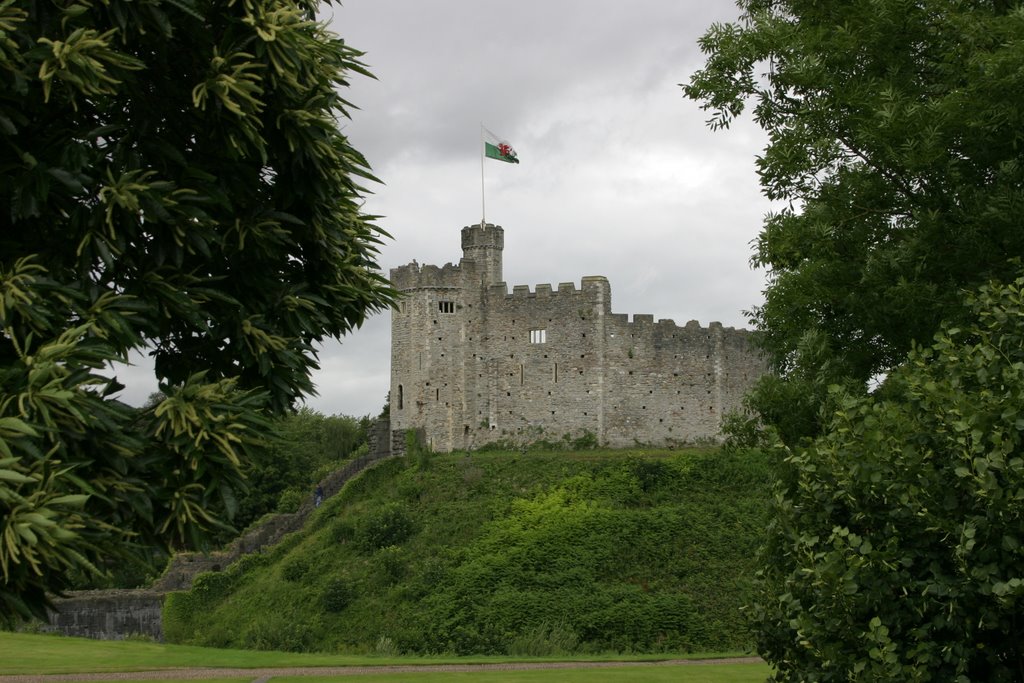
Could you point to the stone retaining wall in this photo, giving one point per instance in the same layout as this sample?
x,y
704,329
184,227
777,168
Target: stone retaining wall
x,y
109,614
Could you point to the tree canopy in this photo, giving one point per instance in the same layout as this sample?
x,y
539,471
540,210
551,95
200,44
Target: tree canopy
x,y
173,178
896,551
896,150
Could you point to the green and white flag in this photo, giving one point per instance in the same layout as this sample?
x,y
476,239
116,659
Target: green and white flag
x,y
496,148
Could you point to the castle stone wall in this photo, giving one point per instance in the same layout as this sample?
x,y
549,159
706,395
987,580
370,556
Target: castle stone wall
x,y
109,615
474,363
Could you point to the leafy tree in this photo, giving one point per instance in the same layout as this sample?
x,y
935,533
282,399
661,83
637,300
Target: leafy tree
x,y
896,148
895,133
172,178
896,553
305,446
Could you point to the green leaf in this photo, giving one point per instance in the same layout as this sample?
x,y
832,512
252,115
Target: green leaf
x,y
17,477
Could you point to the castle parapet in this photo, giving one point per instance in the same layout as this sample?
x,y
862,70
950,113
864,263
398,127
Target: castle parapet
x,y
414,276
589,285
486,235
640,322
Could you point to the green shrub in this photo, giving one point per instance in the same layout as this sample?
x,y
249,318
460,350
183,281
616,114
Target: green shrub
x,y
248,563
585,442
212,586
336,596
896,549
742,431
650,473
295,569
416,450
342,532
390,525
281,632
545,640
181,614
499,446
389,564
290,500
385,647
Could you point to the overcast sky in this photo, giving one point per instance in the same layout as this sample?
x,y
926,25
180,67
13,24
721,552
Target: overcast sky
x,y
619,175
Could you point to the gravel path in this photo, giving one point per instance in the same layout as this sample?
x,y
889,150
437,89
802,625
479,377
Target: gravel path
x,y
264,675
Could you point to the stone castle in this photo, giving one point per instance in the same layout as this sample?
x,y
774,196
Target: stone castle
x,y
472,364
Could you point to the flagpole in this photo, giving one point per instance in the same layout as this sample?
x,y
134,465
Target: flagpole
x,y
483,203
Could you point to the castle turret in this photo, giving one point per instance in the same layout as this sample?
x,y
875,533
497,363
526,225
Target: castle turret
x,y
483,244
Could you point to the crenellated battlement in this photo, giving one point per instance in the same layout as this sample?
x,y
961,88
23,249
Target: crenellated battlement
x,y
485,235
414,276
644,320
475,361
588,286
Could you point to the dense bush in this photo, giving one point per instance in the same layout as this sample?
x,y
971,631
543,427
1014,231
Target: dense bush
x,y
544,640
294,569
389,564
389,526
896,554
336,595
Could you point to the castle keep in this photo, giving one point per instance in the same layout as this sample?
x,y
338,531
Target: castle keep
x,y
472,364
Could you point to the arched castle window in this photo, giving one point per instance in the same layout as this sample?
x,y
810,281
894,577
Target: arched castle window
x,y
401,396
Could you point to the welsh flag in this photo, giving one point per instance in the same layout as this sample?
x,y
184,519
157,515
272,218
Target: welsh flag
x,y
496,148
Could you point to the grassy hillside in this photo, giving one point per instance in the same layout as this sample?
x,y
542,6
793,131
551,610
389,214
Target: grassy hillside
x,y
538,554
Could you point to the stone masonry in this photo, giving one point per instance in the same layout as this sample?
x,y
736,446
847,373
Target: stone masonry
x,y
472,363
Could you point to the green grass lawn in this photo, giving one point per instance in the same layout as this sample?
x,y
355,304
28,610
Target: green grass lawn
x,y
702,673
707,673
30,654
246,679
746,673
696,673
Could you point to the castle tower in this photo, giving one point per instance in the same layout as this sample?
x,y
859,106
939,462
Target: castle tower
x,y
432,339
483,244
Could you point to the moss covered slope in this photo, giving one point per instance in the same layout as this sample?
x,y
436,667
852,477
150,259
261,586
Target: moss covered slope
x,y
542,553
